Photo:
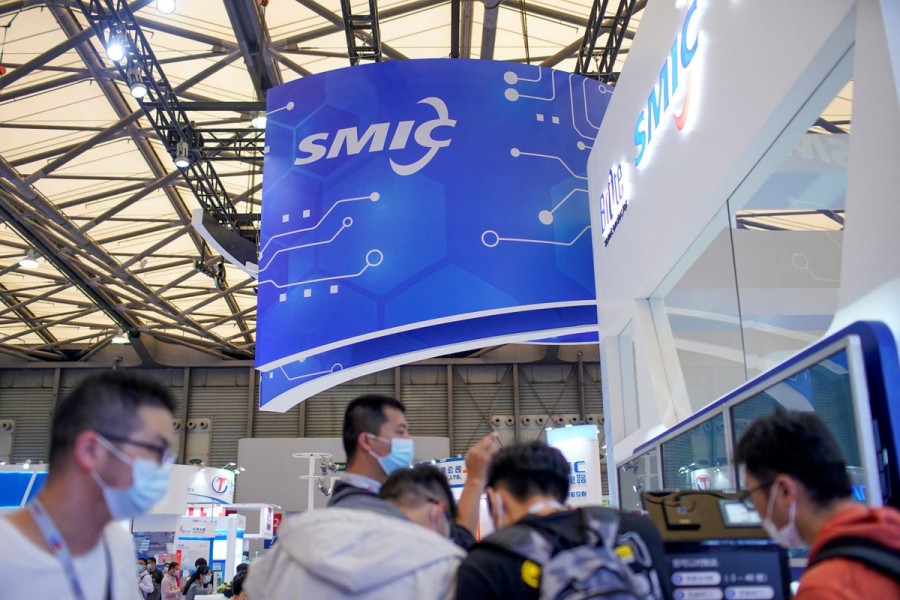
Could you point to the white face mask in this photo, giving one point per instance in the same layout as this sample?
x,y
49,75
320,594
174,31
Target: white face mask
x,y
788,536
149,482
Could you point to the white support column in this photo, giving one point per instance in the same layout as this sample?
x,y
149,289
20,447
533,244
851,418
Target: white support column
x,y
655,335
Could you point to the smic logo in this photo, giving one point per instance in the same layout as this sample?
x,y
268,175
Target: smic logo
x,y
672,75
577,467
219,484
348,141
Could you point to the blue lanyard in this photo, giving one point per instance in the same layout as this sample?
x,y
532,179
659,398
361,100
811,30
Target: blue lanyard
x,y
60,550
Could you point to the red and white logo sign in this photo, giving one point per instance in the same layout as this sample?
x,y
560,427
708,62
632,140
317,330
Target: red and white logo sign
x,y
219,485
702,482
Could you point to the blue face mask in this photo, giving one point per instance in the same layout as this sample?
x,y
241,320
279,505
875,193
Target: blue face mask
x,y
400,457
149,481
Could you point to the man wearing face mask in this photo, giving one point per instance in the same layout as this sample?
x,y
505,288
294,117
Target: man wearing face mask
x,y
109,460
796,478
345,553
376,441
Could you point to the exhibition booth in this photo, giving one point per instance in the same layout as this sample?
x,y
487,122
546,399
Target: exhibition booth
x,y
742,197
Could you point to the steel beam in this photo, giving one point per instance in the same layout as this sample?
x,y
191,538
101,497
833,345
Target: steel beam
x,y
249,25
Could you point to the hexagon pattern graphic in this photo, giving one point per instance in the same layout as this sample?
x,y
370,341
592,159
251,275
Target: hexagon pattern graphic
x,y
411,208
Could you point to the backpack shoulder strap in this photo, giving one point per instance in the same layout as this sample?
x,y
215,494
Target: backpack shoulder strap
x,y
522,541
599,524
869,552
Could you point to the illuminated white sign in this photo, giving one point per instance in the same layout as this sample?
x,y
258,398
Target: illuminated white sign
x,y
673,79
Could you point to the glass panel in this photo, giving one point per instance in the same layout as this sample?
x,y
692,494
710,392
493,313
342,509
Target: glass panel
x,y
631,410
824,388
696,459
701,302
641,474
787,242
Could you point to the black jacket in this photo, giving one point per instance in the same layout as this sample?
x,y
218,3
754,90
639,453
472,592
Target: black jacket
x,y
494,572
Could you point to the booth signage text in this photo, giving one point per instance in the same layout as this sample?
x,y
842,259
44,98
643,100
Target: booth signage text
x,y
613,203
673,74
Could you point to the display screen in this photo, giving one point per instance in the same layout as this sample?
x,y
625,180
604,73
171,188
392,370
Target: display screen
x,y
736,514
751,569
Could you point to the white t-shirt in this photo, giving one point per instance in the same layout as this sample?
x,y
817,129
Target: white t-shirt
x,y
29,572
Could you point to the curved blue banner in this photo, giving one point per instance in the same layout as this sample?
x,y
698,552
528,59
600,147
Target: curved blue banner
x,y
402,198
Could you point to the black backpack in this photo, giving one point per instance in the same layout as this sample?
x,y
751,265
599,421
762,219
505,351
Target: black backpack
x,y
868,552
589,570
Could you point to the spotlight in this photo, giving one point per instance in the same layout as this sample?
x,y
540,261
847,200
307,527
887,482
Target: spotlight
x,y
259,120
182,155
136,82
120,338
30,260
115,49
27,464
166,7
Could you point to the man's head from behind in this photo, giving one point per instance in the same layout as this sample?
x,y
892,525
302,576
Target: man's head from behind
x,y
423,495
116,405
523,474
371,422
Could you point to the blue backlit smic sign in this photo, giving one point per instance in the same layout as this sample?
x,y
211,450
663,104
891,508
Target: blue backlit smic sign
x,y
417,208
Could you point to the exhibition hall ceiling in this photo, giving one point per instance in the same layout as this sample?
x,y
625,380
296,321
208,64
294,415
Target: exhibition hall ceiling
x,y
88,188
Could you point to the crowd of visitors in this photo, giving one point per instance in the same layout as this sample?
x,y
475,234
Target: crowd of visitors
x,y
395,531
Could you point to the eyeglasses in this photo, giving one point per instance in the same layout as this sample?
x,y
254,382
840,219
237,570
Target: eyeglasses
x,y
747,496
164,455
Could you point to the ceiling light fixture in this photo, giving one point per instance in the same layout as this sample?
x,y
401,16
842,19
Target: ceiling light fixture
x,y
166,7
182,155
259,120
136,82
115,49
30,260
120,338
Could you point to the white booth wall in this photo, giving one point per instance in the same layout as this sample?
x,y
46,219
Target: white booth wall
x,y
722,265
272,474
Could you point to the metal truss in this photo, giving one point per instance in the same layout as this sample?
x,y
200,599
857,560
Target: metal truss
x,y
363,33
615,26
113,19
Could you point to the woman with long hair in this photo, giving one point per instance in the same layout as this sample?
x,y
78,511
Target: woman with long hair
x,y
196,585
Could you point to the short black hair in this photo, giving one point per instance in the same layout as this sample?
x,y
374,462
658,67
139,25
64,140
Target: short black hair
x,y
106,403
151,559
416,485
528,469
797,444
366,414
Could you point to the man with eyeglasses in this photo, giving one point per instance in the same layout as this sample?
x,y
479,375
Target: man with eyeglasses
x,y
796,479
109,460
346,553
